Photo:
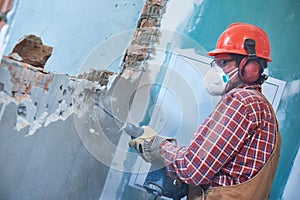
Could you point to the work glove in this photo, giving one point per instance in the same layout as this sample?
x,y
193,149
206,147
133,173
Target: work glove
x,y
148,144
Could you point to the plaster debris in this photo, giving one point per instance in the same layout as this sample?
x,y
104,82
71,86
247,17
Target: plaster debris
x,y
42,98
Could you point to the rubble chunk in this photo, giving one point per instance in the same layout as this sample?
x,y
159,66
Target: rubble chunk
x,y
32,51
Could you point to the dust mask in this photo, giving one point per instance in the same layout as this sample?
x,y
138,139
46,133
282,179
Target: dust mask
x,y
216,80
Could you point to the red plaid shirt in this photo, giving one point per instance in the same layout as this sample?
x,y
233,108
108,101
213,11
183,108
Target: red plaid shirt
x,y
230,146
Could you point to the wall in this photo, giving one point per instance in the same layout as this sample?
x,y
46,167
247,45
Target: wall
x,y
73,33
201,21
47,149
280,21
73,28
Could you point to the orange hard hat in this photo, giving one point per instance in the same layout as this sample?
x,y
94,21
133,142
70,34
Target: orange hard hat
x,y
233,38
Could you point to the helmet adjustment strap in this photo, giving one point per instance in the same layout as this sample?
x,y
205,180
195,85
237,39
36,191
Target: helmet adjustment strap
x,y
249,46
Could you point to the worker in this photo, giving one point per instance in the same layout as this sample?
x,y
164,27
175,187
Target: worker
x,y
235,150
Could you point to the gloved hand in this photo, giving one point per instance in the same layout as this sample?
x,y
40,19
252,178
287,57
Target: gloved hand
x,y
148,144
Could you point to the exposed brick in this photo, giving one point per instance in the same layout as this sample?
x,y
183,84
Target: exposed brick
x,y
25,79
157,2
145,36
146,23
100,76
138,50
153,11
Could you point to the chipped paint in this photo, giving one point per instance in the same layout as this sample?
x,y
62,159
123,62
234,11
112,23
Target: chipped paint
x,y
43,98
37,124
62,112
24,80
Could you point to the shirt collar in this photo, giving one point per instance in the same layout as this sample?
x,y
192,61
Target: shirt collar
x,y
251,87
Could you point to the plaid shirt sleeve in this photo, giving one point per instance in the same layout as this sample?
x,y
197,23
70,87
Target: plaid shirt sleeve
x,y
216,143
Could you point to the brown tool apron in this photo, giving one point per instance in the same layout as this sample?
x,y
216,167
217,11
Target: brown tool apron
x,y
258,187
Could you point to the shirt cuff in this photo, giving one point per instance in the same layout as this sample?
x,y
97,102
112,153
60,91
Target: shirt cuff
x,y
168,152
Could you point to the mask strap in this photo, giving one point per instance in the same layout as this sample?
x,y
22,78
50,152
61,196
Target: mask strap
x,y
226,77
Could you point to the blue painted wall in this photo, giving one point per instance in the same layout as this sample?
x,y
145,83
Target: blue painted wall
x,y
73,27
280,19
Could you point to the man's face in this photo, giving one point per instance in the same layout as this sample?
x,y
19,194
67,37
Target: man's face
x,y
228,64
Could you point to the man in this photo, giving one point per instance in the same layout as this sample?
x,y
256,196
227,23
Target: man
x,y
235,150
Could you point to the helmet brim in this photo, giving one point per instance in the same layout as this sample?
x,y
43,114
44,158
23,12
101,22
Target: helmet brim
x,y
218,51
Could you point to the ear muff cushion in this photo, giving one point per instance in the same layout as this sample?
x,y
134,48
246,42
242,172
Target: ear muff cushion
x,y
249,70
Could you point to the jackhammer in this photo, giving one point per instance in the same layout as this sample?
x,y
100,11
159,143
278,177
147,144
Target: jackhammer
x,y
157,181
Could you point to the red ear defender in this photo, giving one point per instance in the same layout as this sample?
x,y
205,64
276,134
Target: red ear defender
x,y
249,70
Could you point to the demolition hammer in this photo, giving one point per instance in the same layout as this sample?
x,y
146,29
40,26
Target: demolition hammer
x,y
157,181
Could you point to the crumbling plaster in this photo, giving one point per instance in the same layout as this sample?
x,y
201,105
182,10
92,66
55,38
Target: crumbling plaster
x,y
66,143
29,83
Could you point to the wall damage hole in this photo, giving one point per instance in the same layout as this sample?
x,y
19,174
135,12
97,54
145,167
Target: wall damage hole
x,y
61,112
61,87
22,110
71,89
64,92
1,86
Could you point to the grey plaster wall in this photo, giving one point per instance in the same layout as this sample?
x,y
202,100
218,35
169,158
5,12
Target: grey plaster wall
x,y
51,164
55,142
